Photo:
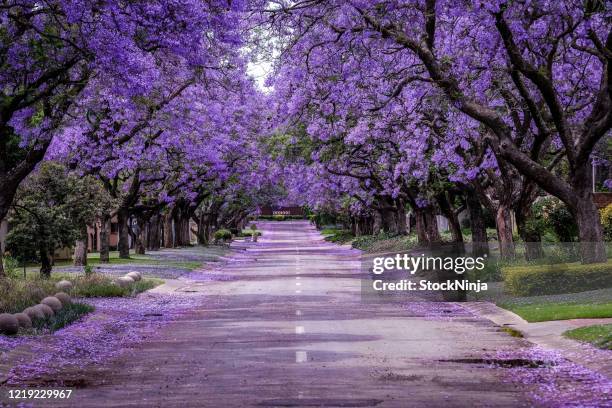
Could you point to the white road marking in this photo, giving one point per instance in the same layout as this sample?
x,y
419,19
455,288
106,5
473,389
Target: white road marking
x,y
298,291
297,277
298,312
301,357
299,329
298,284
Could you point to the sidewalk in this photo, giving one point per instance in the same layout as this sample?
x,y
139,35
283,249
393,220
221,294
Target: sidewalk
x,y
550,335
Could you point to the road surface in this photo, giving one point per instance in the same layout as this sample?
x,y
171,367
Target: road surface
x,y
290,329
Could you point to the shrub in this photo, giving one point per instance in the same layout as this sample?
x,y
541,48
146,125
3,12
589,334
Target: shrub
x,y
88,269
223,235
606,222
550,213
248,233
534,280
11,266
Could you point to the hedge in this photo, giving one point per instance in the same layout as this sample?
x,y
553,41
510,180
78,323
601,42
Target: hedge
x,y
531,280
223,235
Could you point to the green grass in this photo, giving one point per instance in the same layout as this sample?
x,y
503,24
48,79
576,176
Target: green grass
x,y
103,286
385,243
62,318
512,332
560,311
336,235
18,294
599,335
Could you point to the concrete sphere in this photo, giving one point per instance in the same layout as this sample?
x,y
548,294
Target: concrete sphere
x,y
34,313
64,298
24,320
124,281
135,275
63,285
47,311
53,302
8,324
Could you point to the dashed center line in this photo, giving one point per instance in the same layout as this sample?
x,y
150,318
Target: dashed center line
x,y
301,357
299,330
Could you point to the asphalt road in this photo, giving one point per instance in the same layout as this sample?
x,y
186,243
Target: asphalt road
x,y
291,330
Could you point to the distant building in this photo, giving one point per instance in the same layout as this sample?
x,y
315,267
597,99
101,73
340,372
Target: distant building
x,y
282,210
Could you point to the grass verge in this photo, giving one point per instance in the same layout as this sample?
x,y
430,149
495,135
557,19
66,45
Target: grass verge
x,y
599,336
18,294
541,312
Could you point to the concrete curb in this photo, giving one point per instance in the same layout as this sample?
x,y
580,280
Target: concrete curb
x,y
549,335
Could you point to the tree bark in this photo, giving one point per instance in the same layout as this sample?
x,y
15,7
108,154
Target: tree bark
x,y
105,227
139,244
168,236
431,225
503,222
46,262
592,248
124,235
420,227
480,245
80,248
377,224
153,233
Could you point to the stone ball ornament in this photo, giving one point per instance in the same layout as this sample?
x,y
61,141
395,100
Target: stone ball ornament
x,y
63,285
64,298
47,311
24,320
124,281
34,313
9,324
135,275
53,302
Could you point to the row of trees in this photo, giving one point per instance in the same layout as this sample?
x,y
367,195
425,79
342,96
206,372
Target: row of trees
x,y
440,106
146,112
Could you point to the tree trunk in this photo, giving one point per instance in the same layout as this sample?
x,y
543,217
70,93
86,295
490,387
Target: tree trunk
x,y
389,221
153,233
4,208
400,214
124,235
480,245
431,225
420,227
445,204
105,227
46,262
80,248
592,248
168,237
503,222
377,225
531,238
139,244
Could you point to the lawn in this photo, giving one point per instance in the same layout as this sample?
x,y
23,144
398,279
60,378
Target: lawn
x,y
540,312
599,335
